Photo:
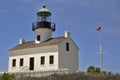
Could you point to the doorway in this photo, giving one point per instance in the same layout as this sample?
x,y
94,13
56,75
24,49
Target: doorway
x,y
31,63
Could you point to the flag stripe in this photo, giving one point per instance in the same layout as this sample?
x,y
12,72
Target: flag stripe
x,y
98,28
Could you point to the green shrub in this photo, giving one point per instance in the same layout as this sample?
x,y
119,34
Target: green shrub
x,y
7,76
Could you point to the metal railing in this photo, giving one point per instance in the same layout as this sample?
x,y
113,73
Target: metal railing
x,y
49,25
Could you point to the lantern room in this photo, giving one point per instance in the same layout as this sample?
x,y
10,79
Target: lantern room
x,y
43,19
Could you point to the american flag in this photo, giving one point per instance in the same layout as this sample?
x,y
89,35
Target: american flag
x,y
98,28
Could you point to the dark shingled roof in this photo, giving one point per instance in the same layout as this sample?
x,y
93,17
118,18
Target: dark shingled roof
x,y
32,44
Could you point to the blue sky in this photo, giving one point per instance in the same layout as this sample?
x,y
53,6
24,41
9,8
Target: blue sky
x,y
80,17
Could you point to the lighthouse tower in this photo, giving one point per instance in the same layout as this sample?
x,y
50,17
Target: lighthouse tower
x,y
43,28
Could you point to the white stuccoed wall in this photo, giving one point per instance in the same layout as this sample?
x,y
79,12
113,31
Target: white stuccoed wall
x,y
68,59
62,59
36,53
44,33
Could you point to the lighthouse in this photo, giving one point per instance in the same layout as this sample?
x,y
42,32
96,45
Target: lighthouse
x,y
45,55
43,28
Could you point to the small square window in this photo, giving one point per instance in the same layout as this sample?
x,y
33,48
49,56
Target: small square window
x,y
42,60
67,46
51,59
38,37
21,61
13,62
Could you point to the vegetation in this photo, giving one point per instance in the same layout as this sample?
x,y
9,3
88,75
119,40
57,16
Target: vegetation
x,y
7,76
93,73
96,71
77,76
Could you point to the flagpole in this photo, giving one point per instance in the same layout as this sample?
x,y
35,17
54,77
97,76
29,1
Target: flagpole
x,y
101,53
100,43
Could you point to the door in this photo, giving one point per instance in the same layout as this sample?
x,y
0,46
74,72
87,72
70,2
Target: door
x,y
31,63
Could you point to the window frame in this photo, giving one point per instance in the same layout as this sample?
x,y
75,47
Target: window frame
x,y
31,63
13,62
67,46
21,62
51,59
42,60
38,37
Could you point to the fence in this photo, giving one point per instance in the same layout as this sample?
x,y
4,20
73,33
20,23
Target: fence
x,y
41,73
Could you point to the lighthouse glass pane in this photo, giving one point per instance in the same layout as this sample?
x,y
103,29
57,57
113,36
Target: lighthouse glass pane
x,y
13,62
51,61
43,18
38,18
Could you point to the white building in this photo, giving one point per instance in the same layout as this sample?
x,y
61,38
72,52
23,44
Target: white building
x,y
45,52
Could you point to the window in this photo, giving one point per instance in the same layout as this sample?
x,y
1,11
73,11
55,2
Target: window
x,y
21,61
51,59
42,60
13,62
67,46
31,63
38,37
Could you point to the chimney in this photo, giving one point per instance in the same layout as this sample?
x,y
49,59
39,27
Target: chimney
x,y
36,41
67,34
21,41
